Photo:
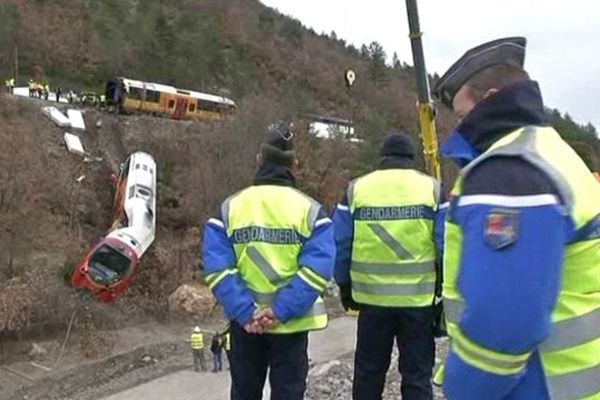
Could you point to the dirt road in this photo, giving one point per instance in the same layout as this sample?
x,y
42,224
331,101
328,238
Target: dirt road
x,y
334,342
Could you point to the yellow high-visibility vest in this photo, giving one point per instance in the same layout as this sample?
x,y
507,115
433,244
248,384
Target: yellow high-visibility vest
x,y
393,253
197,341
267,265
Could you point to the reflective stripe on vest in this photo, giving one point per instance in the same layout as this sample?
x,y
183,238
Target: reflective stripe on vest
x,y
393,289
267,226
264,266
452,309
393,255
570,356
573,332
394,268
197,340
576,385
485,359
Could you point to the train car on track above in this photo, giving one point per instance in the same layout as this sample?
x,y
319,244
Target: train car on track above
x,y
131,96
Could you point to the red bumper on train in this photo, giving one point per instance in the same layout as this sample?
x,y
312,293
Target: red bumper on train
x,y
106,270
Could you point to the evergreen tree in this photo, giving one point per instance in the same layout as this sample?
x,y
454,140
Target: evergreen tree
x,y
371,132
353,50
291,30
396,61
266,22
364,52
377,67
9,23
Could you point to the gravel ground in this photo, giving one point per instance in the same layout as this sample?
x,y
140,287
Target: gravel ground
x,y
93,380
333,380
114,374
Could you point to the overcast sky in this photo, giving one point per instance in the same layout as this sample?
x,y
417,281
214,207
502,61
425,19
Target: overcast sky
x,y
563,37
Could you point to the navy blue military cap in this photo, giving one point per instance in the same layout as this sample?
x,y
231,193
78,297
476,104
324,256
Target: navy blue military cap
x,y
506,51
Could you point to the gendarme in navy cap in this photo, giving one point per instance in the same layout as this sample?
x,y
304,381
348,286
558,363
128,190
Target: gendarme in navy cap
x,y
506,51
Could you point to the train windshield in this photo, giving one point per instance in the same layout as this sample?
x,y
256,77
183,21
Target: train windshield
x,y
107,266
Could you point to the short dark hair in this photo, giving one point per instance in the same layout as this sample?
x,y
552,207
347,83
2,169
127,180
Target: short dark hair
x,y
494,77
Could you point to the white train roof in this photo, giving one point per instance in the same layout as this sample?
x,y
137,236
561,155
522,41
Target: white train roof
x,y
207,97
139,203
170,89
148,85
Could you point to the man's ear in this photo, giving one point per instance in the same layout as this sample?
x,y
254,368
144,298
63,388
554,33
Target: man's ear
x,y
490,92
295,163
259,160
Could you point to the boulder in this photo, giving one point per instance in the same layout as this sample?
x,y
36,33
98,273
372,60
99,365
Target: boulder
x,y
192,298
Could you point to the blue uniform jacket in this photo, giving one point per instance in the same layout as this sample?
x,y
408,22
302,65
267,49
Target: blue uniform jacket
x,y
297,296
509,291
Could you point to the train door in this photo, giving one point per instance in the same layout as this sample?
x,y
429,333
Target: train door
x,y
181,105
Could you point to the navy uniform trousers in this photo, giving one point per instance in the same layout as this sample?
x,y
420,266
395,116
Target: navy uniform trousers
x,y
284,355
378,328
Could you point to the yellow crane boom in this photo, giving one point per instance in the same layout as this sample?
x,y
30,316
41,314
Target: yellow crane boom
x,y
426,110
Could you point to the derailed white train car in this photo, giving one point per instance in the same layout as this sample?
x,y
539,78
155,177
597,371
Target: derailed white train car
x,y
108,268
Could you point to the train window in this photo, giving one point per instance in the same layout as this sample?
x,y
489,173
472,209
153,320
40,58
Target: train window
x,y
145,167
192,107
131,192
108,265
144,191
135,93
171,103
225,108
137,166
153,96
206,105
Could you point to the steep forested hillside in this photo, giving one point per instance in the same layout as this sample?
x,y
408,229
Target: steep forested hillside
x,y
269,63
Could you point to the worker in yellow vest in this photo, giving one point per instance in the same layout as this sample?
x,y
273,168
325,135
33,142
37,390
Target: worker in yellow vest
x,y
386,268
268,255
10,84
522,239
227,344
32,87
197,345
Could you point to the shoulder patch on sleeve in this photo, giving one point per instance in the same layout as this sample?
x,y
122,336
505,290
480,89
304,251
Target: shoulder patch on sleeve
x,y
501,228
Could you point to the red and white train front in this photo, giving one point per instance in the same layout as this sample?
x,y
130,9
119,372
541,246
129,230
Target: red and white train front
x,y
108,268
